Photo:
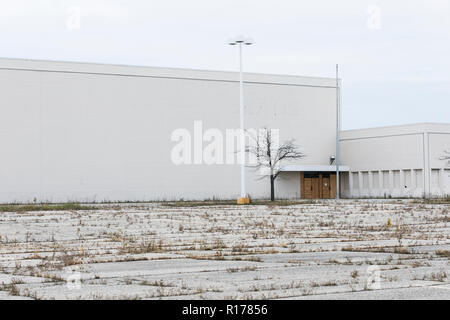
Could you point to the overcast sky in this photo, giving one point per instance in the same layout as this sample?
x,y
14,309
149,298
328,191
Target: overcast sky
x,y
394,56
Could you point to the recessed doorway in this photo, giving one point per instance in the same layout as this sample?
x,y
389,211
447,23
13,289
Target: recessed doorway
x,y
317,185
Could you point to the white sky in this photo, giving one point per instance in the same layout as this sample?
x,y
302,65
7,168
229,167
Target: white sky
x,y
395,66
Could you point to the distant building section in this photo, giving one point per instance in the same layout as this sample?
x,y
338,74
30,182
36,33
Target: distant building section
x,y
398,161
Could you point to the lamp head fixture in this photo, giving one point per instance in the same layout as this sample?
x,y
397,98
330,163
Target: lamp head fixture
x,y
332,159
240,40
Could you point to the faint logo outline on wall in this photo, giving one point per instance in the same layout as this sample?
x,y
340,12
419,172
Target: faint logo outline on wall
x,y
373,278
373,21
214,146
73,20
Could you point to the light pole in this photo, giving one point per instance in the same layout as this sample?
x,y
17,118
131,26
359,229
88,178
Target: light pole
x,y
338,191
241,41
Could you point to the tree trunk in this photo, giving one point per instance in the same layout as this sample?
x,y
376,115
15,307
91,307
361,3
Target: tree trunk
x,y
272,188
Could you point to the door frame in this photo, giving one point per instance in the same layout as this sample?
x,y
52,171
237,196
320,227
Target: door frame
x,y
319,180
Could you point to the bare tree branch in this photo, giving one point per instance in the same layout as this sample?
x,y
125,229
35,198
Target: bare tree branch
x,y
446,157
269,156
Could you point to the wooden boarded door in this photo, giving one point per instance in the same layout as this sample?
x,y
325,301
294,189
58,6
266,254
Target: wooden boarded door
x,y
309,186
333,185
325,187
315,188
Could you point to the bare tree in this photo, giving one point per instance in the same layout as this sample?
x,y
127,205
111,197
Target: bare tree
x,y
269,154
446,157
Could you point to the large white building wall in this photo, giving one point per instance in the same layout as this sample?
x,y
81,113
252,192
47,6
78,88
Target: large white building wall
x,y
91,132
397,161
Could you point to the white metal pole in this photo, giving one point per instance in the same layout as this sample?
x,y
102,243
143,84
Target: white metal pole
x,y
241,97
337,133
